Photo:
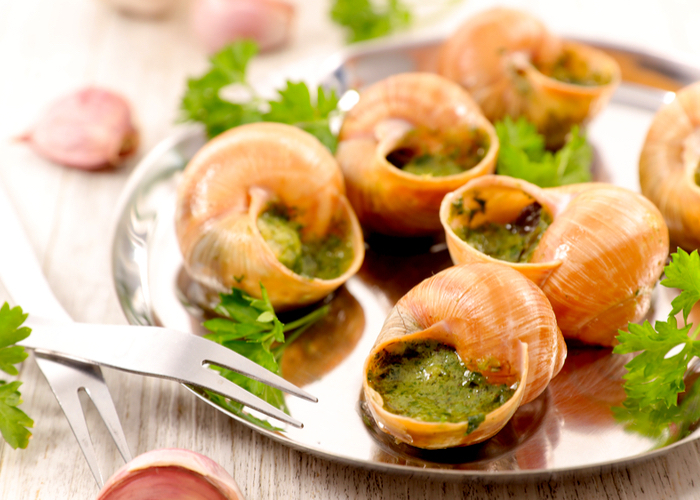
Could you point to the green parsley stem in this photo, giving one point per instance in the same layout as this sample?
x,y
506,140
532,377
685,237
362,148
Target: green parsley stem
x,y
309,318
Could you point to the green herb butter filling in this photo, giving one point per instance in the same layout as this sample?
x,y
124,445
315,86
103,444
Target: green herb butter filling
x,y
697,175
430,153
427,381
512,242
325,258
570,68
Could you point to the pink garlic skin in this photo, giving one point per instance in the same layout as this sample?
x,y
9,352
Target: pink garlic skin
x,y
219,22
88,129
172,474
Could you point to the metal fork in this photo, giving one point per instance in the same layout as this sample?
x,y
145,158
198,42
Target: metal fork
x,y
22,277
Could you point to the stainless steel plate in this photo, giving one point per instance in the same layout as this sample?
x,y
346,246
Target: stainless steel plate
x,y
569,427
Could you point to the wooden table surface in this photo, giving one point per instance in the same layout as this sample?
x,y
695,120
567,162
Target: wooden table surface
x,y
48,48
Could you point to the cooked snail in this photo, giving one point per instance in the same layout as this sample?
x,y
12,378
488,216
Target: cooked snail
x,y
411,139
265,203
479,326
511,65
669,166
596,250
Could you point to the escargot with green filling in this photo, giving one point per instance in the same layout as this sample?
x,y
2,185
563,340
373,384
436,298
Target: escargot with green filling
x,y
265,203
458,354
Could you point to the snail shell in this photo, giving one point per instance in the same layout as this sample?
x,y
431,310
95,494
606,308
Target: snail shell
x,y
231,181
597,262
505,57
669,166
387,199
483,311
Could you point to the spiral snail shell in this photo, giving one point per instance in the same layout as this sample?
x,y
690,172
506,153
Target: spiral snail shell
x,y
669,166
238,178
491,315
597,260
407,117
512,65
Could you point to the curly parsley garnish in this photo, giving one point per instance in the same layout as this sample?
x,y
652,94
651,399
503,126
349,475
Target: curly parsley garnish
x,y
250,327
365,19
655,376
523,155
14,423
203,101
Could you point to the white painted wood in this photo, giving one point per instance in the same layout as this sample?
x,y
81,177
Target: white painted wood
x,y
48,48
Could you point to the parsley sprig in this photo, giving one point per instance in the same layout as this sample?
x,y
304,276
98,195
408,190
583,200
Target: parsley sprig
x,y
250,327
203,101
14,423
365,19
523,155
655,376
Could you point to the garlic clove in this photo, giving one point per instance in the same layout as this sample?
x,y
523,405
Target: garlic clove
x,y
88,129
219,22
175,474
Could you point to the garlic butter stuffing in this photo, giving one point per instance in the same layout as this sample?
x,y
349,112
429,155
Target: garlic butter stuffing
x,y
265,203
596,250
513,66
459,353
409,140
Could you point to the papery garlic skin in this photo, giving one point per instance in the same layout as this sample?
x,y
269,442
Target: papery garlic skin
x,y
484,311
669,165
88,129
219,22
175,474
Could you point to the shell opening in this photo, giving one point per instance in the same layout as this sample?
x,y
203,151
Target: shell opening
x,y
503,223
428,381
572,68
324,257
424,151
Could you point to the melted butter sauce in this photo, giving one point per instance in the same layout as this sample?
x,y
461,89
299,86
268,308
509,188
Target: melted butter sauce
x,y
431,153
428,381
325,258
512,242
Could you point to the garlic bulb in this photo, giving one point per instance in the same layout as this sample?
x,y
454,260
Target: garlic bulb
x,y
174,474
219,22
88,129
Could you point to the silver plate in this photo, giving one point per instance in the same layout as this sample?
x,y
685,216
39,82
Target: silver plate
x,y
569,427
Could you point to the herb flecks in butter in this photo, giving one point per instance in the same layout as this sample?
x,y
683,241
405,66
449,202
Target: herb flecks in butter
x,y
570,68
325,258
515,241
427,381
432,153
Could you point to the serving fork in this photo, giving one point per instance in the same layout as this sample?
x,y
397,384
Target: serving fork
x,y
69,354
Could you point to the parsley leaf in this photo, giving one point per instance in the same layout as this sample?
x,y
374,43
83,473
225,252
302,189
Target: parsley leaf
x,y
14,423
365,20
296,108
523,155
655,376
203,101
250,327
